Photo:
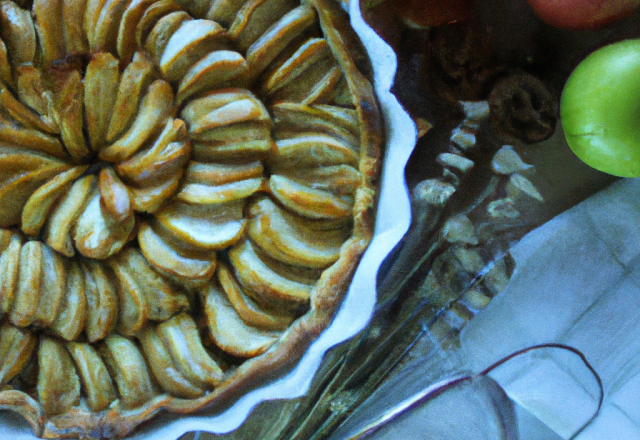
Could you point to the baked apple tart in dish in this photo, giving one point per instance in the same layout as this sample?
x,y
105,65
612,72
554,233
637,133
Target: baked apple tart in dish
x,y
186,189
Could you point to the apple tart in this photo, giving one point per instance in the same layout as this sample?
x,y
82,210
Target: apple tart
x,y
186,187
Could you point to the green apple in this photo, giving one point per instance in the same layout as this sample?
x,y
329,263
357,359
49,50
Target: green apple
x,y
600,109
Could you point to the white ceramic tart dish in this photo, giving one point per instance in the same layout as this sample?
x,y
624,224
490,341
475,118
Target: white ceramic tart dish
x,y
186,188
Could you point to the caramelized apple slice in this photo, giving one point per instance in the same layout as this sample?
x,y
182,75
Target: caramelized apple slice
x,y
35,211
151,16
192,41
224,11
114,196
102,301
159,159
133,303
136,78
71,110
221,173
18,32
314,149
337,122
161,33
129,370
53,288
58,382
163,299
105,35
255,18
96,382
48,23
5,65
75,39
100,88
340,180
16,348
97,233
234,151
272,287
248,311
163,368
229,332
130,19
73,311
9,271
22,114
212,71
308,202
273,42
292,239
162,255
150,198
27,295
181,338
156,107
204,226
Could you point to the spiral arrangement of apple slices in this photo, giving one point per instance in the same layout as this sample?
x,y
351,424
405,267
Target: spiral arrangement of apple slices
x,y
178,179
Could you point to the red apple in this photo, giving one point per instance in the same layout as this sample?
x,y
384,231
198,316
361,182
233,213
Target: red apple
x,y
582,14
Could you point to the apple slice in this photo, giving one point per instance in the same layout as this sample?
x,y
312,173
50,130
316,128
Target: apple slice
x,y
308,54
192,41
325,89
58,382
147,164
133,303
292,239
5,65
156,107
75,39
130,18
65,214
9,272
234,151
104,37
150,198
21,113
98,234
72,317
16,348
114,196
53,288
273,288
91,16
102,301
48,23
248,311
314,149
151,17
70,102
213,71
18,32
27,296
308,202
293,118
40,203
163,299
221,173
129,371
161,254
230,333
161,33
100,88
96,382
163,368
270,44
255,18
31,91
136,78
208,227
198,193
15,193
338,179
181,338
224,11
